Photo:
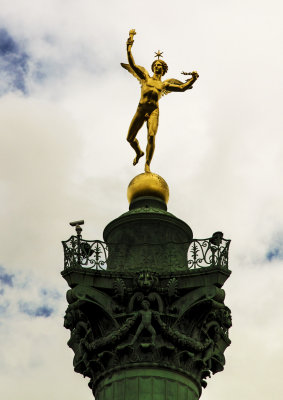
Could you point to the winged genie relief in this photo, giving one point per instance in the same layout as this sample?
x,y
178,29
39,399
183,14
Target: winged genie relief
x,y
152,88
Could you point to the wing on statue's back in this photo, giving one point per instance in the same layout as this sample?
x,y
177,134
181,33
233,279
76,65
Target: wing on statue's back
x,y
130,69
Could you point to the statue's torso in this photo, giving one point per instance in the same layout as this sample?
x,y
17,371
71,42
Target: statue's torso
x,y
151,91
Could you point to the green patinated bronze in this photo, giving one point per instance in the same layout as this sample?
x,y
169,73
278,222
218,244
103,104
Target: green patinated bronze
x,y
146,323
147,236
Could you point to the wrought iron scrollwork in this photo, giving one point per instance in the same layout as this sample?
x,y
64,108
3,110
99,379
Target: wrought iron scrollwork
x,y
93,254
211,252
79,252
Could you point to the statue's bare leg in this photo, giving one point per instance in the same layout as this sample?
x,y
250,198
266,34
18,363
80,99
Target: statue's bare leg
x,y
135,126
138,332
153,333
152,125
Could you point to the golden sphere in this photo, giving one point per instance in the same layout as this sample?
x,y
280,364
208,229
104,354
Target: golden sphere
x,y
148,184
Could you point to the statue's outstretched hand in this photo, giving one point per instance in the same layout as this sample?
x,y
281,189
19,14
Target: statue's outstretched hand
x,y
195,74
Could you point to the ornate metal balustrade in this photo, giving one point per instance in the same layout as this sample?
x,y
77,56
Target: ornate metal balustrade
x,y
212,252
93,254
79,252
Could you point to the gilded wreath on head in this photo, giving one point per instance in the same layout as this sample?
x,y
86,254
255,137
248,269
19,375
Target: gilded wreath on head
x,y
152,88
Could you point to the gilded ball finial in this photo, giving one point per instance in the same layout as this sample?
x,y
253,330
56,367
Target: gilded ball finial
x,y
148,184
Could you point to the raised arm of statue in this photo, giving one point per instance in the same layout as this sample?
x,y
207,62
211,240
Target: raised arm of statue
x,y
140,73
171,86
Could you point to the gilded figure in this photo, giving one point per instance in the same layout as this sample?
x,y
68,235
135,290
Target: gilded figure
x,y
152,88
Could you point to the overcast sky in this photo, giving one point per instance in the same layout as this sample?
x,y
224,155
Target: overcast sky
x,y
65,108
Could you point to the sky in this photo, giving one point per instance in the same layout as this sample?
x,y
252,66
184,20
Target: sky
x,y
65,108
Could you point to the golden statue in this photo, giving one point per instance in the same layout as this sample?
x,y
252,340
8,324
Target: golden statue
x,y
152,88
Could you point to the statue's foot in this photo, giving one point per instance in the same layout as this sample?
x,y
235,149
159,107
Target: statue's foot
x,y
138,156
146,168
146,346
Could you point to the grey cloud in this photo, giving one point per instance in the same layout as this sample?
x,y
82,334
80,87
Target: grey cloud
x,y
13,64
4,307
35,311
27,294
50,293
5,278
275,251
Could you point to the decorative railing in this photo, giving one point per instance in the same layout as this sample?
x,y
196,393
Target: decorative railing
x,y
79,252
211,252
93,254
